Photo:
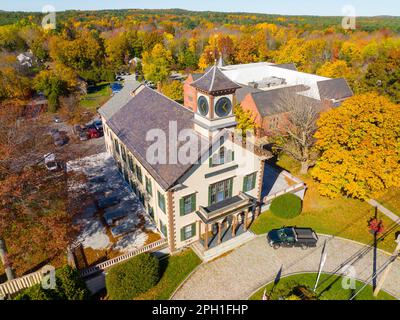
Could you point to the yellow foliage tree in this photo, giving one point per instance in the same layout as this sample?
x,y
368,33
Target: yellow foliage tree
x,y
335,69
157,64
360,147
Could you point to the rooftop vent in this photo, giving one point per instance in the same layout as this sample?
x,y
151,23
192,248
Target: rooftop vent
x,y
267,82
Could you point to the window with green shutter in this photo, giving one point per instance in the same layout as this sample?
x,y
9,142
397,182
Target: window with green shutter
x,y
187,204
130,163
163,228
188,232
123,153
249,182
149,186
139,174
161,201
220,191
116,146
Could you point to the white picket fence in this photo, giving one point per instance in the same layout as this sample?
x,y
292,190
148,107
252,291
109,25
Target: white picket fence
x,y
109,263
13,286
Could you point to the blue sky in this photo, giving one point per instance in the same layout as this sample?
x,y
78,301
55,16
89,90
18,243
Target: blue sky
x,y
294,7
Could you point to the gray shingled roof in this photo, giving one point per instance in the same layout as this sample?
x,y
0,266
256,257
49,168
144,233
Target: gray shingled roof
x,y
119,99
196,76
289,66
336,89
214,80
244,91
152,110
272,102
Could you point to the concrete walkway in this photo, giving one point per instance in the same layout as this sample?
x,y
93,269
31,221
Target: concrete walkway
x,y
384,210
238,274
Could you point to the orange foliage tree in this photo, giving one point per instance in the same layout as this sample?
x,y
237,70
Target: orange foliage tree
x,y
360,147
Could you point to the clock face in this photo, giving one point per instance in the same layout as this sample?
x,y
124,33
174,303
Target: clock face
x,y
223,107
202,106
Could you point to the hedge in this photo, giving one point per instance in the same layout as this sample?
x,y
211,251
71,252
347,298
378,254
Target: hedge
x,y
286,206
127,280
69,286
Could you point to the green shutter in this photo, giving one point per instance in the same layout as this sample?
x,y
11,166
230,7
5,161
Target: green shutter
x,y
245,183
210,162
182,206
193,229
193,202
183,234
233,155
254,180
230,188
209,195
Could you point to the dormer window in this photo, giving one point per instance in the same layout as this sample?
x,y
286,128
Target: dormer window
x,y
221,157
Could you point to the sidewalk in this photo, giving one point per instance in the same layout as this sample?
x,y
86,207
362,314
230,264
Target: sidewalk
x,y
384,210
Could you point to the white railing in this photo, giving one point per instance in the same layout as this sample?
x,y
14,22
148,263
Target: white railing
x,y
109,263
13,286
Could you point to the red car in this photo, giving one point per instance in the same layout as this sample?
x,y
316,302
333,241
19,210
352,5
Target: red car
x,y
93,133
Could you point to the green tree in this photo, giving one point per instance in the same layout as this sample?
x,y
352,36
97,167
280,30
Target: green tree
x,y
157,64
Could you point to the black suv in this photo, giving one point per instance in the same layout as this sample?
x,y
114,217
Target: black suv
x,y
292,237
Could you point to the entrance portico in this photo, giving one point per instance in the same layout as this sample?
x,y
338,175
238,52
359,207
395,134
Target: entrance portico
x,y
224,220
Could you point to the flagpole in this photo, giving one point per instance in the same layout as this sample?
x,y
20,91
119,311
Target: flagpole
x,y
321,265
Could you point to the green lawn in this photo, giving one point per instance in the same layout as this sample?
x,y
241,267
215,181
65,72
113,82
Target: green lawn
x,y
175,269
329,288
97,95
391,200
344,217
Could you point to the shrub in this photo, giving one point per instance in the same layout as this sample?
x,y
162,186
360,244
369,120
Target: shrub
x,y
129,279
69,286
286,206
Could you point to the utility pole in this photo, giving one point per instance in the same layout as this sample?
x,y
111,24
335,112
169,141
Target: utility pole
x,y
396,252
3,258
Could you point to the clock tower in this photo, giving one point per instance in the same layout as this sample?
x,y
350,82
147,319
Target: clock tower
x,y
215,94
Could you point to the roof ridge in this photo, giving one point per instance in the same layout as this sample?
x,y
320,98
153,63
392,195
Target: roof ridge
x,y
213,78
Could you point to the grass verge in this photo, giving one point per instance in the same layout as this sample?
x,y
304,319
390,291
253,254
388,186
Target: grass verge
x,y
329,288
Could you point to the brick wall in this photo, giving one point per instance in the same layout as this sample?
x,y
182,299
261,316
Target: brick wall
x,y
189,94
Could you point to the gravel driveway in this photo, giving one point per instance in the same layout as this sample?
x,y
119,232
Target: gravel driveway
x,y
237,275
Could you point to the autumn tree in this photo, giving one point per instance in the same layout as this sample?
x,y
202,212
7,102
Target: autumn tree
x,y
56,83
245,119
360,147
246,49
299,128
156,64
173,90
14,83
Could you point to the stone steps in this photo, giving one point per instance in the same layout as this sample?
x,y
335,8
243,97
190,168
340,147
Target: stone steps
x,y
222,248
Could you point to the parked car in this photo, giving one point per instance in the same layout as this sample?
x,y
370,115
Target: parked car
x,y
59,139
98,125
51,162
83,135
54,131
77,129
292,237
57,119
93,133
